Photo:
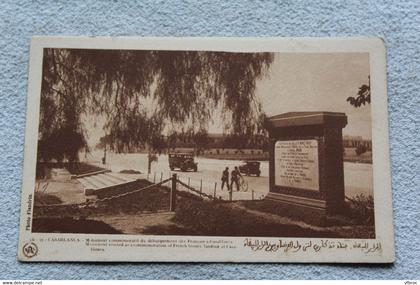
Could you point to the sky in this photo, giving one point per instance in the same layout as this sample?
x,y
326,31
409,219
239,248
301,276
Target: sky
x,y
315,82
318,82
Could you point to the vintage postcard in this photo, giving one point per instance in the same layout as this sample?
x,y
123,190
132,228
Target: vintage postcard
x,y
207,150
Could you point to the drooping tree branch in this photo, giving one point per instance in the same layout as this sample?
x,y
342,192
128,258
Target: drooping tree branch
x,y
184,87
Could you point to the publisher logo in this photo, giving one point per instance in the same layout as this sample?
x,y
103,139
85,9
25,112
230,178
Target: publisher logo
x,y
30,250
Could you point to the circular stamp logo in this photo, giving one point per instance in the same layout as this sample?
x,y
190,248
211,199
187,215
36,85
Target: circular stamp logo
x,y
30,249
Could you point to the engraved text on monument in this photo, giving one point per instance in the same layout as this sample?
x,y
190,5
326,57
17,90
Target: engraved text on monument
x,y
296,164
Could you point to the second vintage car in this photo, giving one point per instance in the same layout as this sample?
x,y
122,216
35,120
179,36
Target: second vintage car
x,y
250,168
182,161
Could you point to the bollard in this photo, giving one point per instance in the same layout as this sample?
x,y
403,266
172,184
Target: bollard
x,y
214,192
154,178
189,180
172,198
252,197
201,185
161,176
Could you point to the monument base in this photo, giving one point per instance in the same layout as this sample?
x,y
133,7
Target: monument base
x,y
310,210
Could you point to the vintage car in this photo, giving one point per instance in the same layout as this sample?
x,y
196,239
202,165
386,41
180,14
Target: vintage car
x,y
250,167
182,161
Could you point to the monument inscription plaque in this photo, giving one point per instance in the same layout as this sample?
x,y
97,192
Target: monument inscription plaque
x,y
296,164
306,162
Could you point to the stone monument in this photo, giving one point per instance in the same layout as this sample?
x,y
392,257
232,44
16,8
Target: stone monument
x,y
306,162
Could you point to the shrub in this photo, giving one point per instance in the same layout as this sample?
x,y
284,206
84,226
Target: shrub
x,y
361,209
130,171
78,168
46,199
360,149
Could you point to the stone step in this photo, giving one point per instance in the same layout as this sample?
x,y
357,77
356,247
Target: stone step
x,y
103,180
120,178
109,178
97,182
86,184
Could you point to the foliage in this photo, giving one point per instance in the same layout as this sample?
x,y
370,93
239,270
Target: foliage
x,y
361,209
82,168
60,143
141,93
360,149
201,141
246,141
198,140
363,96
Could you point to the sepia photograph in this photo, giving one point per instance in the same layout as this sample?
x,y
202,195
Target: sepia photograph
x,y
203,143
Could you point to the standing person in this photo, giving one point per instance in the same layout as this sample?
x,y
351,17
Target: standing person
x,y
150,158
235,178
225,178
104,158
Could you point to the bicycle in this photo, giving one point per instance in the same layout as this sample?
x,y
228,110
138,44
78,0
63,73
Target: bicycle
x,y
243,185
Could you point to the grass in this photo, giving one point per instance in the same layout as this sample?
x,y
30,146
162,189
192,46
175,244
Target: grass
x,y
71,225
152,200
358,221
222,219
43,168
193,216
272,207
76,219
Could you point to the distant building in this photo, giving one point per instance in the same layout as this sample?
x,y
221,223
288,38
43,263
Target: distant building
x,y
224,146
216,140
232,151
355,141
